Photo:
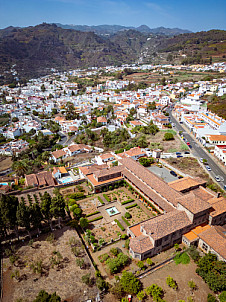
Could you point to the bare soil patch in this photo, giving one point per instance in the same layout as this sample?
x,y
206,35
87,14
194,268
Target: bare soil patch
x,y
157,141
188,165
5,163
181,274
63,278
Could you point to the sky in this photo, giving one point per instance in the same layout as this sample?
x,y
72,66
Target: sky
x,y
194,15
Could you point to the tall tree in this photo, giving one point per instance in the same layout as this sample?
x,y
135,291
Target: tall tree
x,y
20,167
36,216
45,208
57,208
8,209
23,216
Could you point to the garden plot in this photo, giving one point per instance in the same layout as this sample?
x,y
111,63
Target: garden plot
x,y
118,195
106,231
138,215
89,206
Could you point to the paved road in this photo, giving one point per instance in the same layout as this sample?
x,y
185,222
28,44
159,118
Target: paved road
x,y
63,138
200,153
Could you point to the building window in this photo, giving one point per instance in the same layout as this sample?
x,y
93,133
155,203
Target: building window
x,y
204,247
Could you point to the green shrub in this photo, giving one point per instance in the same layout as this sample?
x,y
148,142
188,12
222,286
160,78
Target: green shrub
x,y
222,296
126,221
131,206
91,214
95,219
114,251
106,197
192,251
77,195
171,282
211,298
119,224
103,257
182,258
100,200
127,201
116,264
128,215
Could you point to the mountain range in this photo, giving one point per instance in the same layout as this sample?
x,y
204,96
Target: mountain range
x,y
35,50
113,29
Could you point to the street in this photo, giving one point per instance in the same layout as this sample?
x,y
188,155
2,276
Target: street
x,y
198,152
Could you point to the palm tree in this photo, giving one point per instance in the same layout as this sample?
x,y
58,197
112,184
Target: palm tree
x,y
20,167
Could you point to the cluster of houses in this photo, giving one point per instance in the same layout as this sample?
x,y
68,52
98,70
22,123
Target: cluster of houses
x,y
14,147
69,151
207,127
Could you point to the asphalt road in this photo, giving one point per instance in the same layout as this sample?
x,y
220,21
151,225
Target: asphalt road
x,y
63,138
199,153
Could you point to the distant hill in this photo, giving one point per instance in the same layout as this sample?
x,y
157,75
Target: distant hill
x,y
35,50
113,29
198,47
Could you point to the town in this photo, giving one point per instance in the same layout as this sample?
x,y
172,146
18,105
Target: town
x,y
112,183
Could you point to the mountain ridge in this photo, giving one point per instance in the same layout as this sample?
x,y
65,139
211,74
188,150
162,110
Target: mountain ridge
x,y
112,29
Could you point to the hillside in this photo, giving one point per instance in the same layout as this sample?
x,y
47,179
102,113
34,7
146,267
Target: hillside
x,y
198,47
36,50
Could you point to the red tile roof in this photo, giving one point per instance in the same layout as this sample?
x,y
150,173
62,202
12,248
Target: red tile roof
x,y
166,224
141,244
154,183
216,239
193,204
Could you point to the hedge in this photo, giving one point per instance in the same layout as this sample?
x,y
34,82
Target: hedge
x,y
126,221
131,206
151,205
100,200
127,201
119,224
95,219
106,197
91,214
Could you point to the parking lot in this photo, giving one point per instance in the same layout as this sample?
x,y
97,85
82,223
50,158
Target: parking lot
x,y
162,173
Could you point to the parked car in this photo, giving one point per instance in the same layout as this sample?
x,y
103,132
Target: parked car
x,y
208,168
178,153
201,159
180,177
225,187
179,156
188,143
173,173
186,152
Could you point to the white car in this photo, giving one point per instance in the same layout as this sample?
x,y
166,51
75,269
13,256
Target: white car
x,y
208,168
217,178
